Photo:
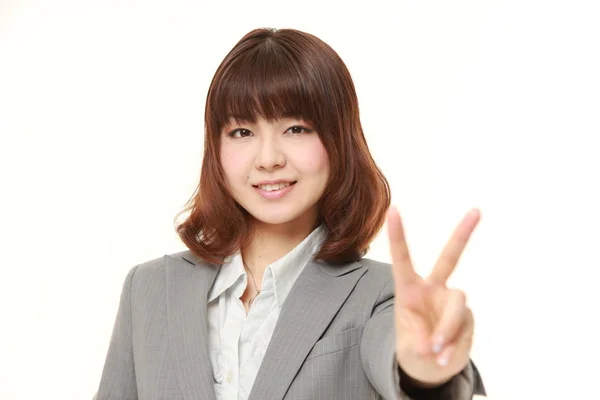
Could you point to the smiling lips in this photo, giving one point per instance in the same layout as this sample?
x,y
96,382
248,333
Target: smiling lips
x,y
274,189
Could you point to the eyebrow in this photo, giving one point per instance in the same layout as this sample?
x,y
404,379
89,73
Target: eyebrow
x,y
238,120
231,119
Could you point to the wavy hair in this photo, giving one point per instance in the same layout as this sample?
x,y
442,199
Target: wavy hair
x,y
277,74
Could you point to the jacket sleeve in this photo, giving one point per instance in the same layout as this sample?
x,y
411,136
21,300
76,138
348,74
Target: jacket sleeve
x,y
118,376
378,356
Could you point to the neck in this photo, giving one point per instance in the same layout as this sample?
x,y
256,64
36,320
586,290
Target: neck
x,y
271,242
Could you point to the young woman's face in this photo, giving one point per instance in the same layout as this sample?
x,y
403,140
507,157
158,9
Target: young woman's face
x,y
276,171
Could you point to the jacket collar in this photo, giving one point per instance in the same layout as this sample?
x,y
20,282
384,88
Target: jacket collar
x,y
314,299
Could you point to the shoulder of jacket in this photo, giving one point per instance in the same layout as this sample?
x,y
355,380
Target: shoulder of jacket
x,y
378,272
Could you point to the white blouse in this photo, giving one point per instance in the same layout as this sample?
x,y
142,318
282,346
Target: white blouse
x,y
237,342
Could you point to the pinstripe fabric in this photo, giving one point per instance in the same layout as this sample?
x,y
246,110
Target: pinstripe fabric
x,y
334,338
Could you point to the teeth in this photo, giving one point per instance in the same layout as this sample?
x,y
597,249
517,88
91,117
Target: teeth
x,y
277,186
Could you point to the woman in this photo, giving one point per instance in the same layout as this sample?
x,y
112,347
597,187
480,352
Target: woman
x,y
273,299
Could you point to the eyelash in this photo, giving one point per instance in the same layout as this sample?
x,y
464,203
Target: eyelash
x,y
233,133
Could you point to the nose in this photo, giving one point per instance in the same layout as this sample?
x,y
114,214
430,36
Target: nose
x,y
270,156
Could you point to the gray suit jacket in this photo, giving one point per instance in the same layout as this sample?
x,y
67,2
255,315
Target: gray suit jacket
x,y
334,338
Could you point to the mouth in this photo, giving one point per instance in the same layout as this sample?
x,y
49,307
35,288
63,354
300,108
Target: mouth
x,y
276,190
274,187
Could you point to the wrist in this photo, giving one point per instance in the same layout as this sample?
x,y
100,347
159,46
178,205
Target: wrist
x,y
410,384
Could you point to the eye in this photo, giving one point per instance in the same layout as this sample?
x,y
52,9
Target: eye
x,y
239,133
297,130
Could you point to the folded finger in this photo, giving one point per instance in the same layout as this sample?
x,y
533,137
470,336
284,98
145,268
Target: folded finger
x,y
445,355
420,330
451,320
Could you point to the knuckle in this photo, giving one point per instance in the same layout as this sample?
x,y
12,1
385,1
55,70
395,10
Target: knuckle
x,y
469,313
460,296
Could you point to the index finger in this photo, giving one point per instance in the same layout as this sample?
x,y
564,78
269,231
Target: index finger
x,y
402,267
454,248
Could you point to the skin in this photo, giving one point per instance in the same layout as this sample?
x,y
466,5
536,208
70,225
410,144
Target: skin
x,y
433,324
288,149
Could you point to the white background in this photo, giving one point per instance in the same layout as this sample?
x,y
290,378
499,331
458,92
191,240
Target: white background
x,y
492,104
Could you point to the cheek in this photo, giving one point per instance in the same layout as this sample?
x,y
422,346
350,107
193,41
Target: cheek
x,y
232,162
314,158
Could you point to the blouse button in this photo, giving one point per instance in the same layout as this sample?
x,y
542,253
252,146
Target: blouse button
x,y
229,377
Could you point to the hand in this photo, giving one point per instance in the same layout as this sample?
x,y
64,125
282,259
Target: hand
x,y
434,327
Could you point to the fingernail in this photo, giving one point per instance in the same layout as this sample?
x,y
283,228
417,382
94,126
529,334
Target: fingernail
x,y
438,343
443,361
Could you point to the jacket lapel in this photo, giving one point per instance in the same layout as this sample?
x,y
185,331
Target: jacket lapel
x,y
188,282
319,292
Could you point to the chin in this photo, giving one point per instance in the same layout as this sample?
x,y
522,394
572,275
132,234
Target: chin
x,y
274,218
278,215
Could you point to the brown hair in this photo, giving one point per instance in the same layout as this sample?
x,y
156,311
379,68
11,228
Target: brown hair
x,y
288,73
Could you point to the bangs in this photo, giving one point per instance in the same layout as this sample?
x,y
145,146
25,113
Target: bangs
x,y
274,74
267,82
